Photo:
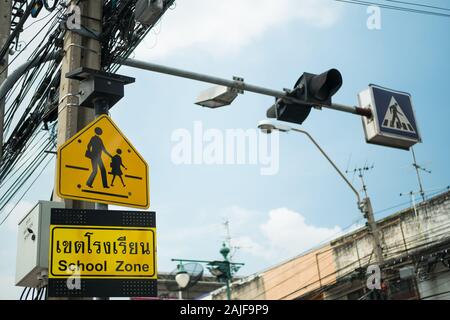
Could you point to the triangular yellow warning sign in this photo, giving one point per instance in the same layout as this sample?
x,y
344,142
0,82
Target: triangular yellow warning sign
x,y
99,164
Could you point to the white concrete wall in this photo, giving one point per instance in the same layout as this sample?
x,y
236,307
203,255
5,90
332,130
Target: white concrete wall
x,y
422,228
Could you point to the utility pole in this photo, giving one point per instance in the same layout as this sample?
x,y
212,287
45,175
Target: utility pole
x,y
368,214
79,52
5,28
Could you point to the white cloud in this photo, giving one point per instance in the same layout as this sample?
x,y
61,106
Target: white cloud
x,y
278,235
287,232
220,27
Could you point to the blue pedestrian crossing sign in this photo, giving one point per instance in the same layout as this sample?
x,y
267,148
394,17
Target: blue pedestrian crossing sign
x,y
393,121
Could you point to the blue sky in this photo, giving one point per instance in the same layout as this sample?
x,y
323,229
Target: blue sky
x,y
270,43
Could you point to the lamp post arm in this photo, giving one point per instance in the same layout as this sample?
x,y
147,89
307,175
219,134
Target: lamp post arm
x,y
332,163
207,262
189,260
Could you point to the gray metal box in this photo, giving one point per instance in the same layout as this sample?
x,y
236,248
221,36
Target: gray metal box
x,y
32,244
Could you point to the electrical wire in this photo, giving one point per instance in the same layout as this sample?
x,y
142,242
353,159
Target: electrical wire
x,y
305,268
32,183
344,289
338,271
10,159
358,288
298,272
31,155
37,21
317,281
13,162
26,46
397,8
420,5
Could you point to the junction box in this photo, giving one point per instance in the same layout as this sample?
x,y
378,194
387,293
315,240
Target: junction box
x,y
33,243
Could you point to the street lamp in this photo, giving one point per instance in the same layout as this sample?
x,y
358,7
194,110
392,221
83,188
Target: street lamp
x,y
222,270
216,97
365,205
182,278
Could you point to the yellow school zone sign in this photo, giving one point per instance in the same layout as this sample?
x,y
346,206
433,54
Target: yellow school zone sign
x,y
99,164
102,252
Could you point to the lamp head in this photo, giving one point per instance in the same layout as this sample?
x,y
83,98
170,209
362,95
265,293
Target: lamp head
x,y
216,97
267,126
182,277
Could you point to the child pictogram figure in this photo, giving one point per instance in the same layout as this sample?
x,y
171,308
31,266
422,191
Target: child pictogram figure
x,y
116,164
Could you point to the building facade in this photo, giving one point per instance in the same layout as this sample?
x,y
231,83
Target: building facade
x,y
416,251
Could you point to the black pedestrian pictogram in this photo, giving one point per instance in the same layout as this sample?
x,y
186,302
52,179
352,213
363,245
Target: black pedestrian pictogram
x,y
395,115
116,164
94,151
396,119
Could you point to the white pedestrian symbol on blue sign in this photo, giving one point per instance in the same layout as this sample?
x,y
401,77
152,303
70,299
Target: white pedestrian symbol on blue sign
x,y
395,112
395,118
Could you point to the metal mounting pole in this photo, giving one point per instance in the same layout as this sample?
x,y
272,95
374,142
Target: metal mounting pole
x,y
238,85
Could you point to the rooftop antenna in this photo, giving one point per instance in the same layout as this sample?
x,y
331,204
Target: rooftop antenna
x,y
226,224
418,169
361,172
233,249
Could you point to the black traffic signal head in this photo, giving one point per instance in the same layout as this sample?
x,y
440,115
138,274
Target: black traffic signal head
x,y
318,89
311,90
289,112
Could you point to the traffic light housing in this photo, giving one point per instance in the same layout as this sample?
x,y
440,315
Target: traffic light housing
x,y
312,90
